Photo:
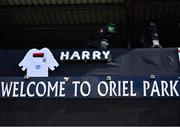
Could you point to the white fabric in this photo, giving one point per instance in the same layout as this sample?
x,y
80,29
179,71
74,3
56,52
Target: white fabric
x,y
38,66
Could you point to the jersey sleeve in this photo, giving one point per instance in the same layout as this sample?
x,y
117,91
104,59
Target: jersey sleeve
x,y
25,62
51,61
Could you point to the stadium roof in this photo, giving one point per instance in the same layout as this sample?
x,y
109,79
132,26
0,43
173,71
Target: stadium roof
x,y
69,23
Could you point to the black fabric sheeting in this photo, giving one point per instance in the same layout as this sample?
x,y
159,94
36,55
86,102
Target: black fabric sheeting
x,y
126,62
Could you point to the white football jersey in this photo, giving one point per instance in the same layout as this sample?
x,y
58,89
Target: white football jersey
x,y
38,62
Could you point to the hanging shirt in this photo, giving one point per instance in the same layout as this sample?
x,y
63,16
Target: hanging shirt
x,y
38,62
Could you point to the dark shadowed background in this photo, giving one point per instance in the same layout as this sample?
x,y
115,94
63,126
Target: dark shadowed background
x,y
26,24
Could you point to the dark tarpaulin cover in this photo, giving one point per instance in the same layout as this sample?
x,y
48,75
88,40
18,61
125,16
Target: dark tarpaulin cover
x,y
125,62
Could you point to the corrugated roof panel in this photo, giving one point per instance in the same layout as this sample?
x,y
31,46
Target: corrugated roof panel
x,y
38,2
140,12
88,17
98,16
103,1
81,17
52,16
17,2
91,1
1,2
113,16
23,17
47,2
40,16
23,2
155,10
35,2
10,2
59,2
92,17
47,17
15,19
109,1
75,17
97,1
30,15
70,17
51,2
64,18
117,16
109,15
104,16
41,2
118,1
72,1
28,2
20,19
57,17
122,16
84,2
65,1
52,19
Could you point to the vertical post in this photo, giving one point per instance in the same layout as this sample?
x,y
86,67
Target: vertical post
x,y
128,14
